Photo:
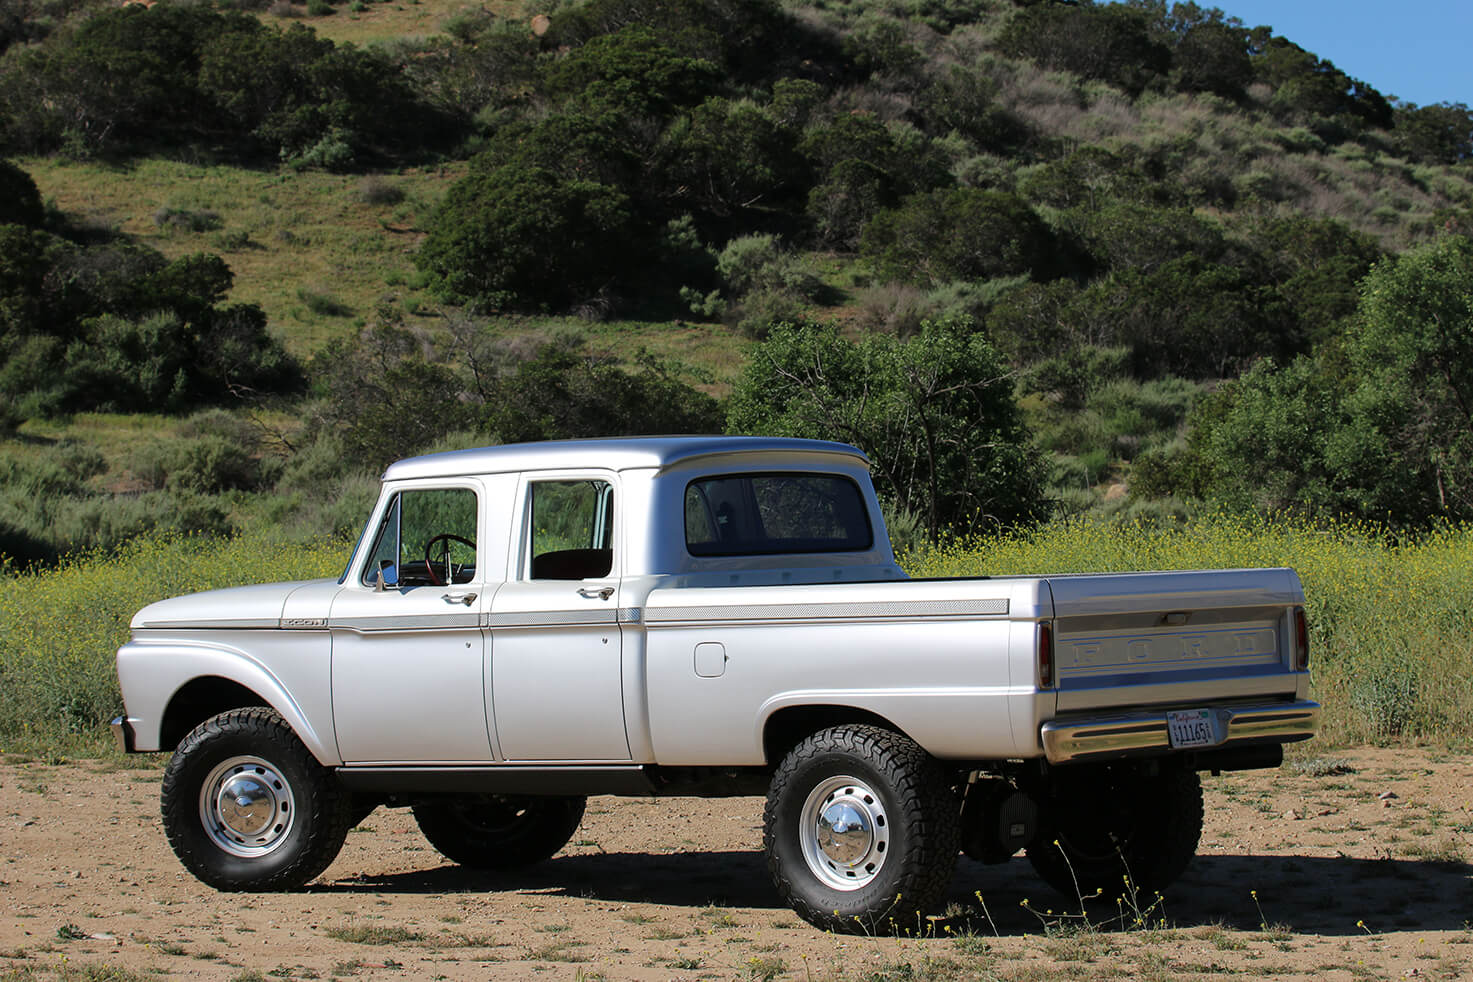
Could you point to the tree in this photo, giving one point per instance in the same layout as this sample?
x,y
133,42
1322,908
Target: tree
x,y
732,157
383,399
120,328
1262,442
935,414
1306,84
960,234
521,237
20,200
1314,265
1110,42
1381,430
566,391
631,71
1213,57
1440,134
1412,346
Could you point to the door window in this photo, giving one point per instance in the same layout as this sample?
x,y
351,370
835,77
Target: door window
x,y
427,538
571,530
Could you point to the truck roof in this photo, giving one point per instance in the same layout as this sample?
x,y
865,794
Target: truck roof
x,y
613,453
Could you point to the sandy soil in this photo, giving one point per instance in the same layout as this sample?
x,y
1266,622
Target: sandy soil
x,y
1355,871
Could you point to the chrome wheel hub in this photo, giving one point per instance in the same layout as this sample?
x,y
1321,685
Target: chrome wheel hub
x,y
844,833
246,807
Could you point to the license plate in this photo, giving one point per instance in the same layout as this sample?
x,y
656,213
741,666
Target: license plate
x,y
1191,728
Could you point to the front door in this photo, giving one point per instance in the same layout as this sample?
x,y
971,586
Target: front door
x,y
408,649
556,657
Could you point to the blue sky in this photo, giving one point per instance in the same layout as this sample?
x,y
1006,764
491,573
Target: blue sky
x,y
1417,50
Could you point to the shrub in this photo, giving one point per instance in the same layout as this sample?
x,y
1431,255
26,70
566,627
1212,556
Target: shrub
x,y
323,304
521,237
963,234
206,464
376,190
565,391
382,398
761,284
1110,42
193,221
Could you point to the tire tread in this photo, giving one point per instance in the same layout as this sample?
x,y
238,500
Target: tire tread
x,y
319,796
920,789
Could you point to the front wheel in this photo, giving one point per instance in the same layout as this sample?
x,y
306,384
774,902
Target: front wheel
x,y
247,807
488,831
861,830
1118,832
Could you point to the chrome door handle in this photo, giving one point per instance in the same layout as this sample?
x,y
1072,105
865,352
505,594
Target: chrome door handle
x,y
459,598
603,593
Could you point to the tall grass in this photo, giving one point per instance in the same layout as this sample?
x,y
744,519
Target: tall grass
x,y
1391,620
60,628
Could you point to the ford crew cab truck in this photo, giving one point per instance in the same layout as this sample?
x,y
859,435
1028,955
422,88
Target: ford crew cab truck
x,y
520,627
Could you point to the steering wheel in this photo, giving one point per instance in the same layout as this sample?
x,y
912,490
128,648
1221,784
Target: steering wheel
x,y
447,537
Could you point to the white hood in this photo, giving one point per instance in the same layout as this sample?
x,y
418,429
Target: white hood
x,y
257,606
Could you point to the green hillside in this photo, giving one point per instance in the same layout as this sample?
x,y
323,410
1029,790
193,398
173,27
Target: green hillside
x,y
251,253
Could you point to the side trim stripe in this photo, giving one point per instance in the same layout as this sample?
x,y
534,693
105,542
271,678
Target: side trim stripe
x,y
833,611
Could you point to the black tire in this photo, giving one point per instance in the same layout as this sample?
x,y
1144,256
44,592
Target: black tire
x,y
895,864
247,807
1118,833
487,831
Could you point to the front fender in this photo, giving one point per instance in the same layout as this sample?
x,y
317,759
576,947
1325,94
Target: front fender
x,y
287,671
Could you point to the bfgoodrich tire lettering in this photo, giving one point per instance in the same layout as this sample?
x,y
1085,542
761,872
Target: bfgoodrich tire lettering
x,y
247,807
861,830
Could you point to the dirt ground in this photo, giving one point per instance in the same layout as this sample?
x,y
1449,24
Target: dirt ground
x,y
1348,865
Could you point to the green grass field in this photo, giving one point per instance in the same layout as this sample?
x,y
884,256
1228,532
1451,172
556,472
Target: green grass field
x,y
1391,622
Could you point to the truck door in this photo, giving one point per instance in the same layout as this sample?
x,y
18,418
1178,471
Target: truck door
x,y
408,649
556,654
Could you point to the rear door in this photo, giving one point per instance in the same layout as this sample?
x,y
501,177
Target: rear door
x,y
556,653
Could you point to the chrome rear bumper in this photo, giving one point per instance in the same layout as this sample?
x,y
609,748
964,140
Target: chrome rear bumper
x,y
123,734
1143,733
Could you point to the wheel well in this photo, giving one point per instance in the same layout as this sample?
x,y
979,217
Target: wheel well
x,y
197,701
787,727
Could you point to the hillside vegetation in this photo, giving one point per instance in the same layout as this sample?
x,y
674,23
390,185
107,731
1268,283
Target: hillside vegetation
x,y
1116,258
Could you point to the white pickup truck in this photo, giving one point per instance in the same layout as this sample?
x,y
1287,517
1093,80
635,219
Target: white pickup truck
x,y
522,626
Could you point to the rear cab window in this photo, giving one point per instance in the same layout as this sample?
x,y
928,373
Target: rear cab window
x,y
773,514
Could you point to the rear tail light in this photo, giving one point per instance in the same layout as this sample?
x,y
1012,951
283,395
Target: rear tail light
x,y
1045,656
1301,640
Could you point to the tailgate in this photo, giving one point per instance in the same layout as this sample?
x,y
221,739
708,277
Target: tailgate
x,y
1188,638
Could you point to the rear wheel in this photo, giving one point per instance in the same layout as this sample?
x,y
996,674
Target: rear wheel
x,y
247,807
488,831
1118,832
861,830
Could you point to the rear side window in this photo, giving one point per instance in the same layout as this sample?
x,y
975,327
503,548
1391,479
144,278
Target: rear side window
x,y
764,514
